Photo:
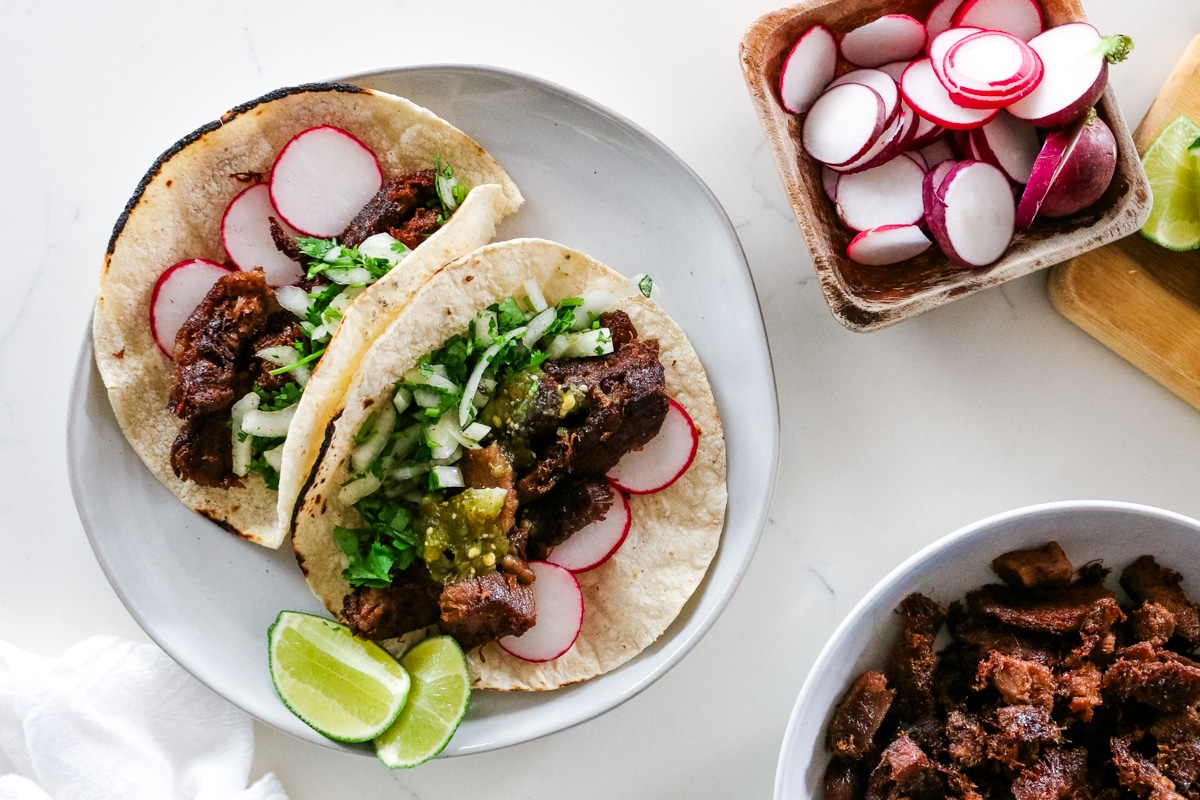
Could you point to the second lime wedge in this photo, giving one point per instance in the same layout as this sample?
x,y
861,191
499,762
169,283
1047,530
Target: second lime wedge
x,y
346,688
1174,176
441,688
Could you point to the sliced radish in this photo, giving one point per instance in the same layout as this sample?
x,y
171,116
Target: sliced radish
x,y
941,45
889,194
927,132
878,80
1010,144
893,37
1021,18
894,69
991,69
887,244
933,182
1076,59
843,123
936,152
595,543
1057,148
917,158
928,97
321,179
939,18
176,294
829,181
246,234
558,603
971,214
662,460
807,69
885,146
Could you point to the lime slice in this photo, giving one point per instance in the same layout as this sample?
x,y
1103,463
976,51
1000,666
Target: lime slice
x,y
436,705
345,688
1174,219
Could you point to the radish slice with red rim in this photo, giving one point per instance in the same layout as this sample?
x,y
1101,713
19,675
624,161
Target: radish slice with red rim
x,y
939,18
1010,144
558,603
992,64
1021,18
932,184
936,152
829,181
1075,59
894,69
176,294
878,80
808,68
246,234
321,179
916,157
887,244
893,37
941,45
972,214
885,146
889,194
595,543
928,97
843,124
663,459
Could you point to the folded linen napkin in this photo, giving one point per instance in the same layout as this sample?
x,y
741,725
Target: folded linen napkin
x,y
119,720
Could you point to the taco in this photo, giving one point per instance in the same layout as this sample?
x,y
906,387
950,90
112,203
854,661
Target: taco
x,y
257,339
476,436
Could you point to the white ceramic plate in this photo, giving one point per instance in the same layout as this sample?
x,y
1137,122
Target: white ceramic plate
x,y
1116,533
592,180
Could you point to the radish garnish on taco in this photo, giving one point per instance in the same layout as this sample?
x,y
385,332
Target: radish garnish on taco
x,y
478,438
251,270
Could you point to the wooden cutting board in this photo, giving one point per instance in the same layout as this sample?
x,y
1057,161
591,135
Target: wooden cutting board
x,y
1139,299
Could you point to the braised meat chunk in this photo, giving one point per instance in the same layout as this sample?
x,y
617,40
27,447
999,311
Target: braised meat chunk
x,y
1043,566
1145,580
572,505
391,207
203,451
477,610
851,732
910,668
409,603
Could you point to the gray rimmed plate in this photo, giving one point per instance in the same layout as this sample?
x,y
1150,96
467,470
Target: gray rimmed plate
x,y
592,180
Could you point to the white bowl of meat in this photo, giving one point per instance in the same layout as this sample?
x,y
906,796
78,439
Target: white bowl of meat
x,y
1040,654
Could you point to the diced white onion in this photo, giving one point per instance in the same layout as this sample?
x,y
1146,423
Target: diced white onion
x,y
441,437
402,399
243,446
597,301
353,276
415,470
445,190
281,355
366,452
476,431
464,405
269,424
407,441
538,326
358,488
536,298
294,299
592,342
380,246
436,380
486,327
427,398
274,457
446,478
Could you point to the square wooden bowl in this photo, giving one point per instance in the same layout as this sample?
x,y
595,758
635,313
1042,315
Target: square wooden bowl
x,y
866,298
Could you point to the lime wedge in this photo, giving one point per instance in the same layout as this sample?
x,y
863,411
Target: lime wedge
x,y
345,688
440,691
1174,219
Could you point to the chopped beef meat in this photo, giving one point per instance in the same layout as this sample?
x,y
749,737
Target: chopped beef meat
x,y
1152,622
391,206
1145,580
409,603
620,327
626,402
569,507
986,635
1027,724
1057,775
904,771
912,661
1176,727
851,732
212,348
492,606
958,784
1180,762
285,243
1168,685
1062,611
966,739
423,224
1043,566
282,330
1081,689
1017,680
842,782
489,468
1096,630
1139,775
203,452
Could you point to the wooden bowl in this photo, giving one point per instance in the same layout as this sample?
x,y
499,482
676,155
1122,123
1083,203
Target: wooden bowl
x,y
865,298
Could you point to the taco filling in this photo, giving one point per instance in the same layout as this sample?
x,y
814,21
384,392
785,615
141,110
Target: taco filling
x,y
244,355
487,454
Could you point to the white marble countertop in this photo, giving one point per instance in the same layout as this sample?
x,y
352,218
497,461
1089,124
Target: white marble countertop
x,y
889,440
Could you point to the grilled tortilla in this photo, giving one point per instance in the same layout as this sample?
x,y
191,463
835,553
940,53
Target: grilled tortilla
x,y
176,213
630,599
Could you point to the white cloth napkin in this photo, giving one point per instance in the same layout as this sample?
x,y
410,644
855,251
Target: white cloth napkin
x,y
116,720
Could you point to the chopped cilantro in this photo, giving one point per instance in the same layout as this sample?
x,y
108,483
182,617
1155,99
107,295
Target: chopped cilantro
x,y
646,285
